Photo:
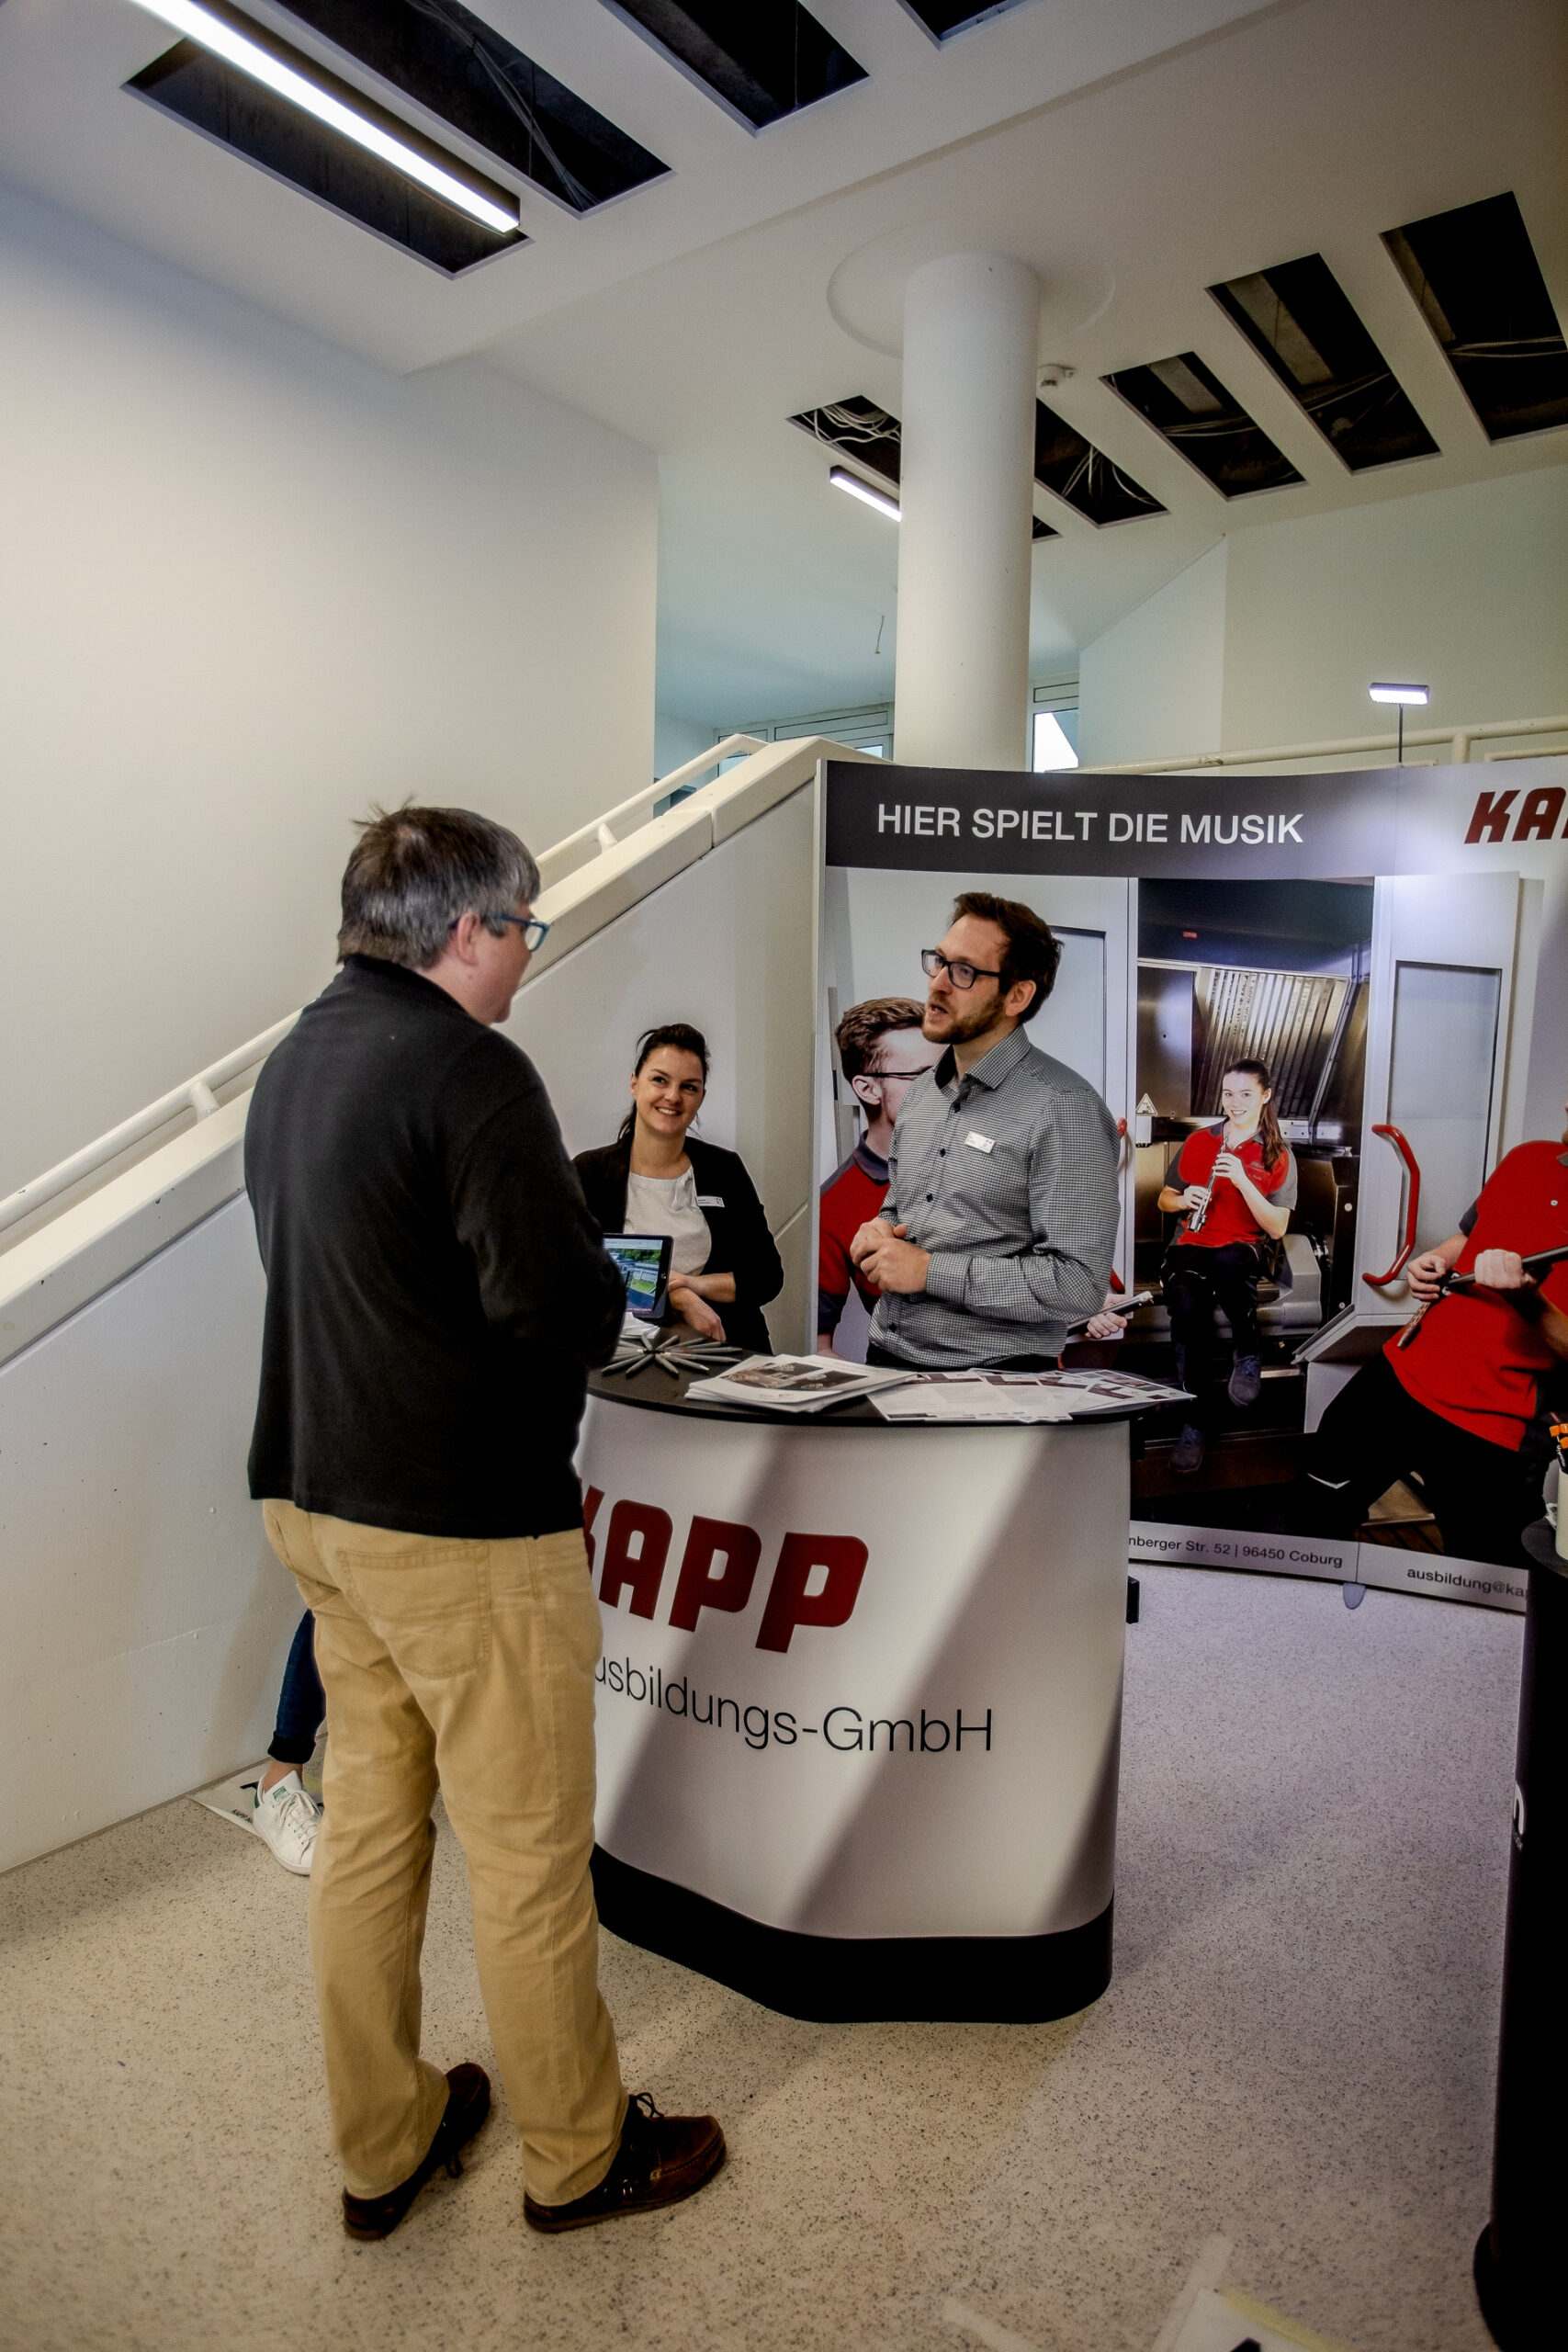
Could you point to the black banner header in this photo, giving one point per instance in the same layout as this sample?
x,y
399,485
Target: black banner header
x,y
1222,824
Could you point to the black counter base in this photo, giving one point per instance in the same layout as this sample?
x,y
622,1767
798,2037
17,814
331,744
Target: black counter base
x,y
838,1980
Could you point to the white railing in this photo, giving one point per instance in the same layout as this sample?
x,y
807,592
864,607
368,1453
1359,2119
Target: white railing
x,y
608,833
198,1094
1460,738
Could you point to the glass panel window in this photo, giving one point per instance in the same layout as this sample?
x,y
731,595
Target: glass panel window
x,y
1440,1084
1071,1023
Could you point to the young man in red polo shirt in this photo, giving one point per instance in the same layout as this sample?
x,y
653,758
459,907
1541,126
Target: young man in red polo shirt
x,y
1460,1405
881,1053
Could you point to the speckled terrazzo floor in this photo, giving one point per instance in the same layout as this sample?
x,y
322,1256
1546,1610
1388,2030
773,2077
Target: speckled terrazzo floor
x,y
1296,2052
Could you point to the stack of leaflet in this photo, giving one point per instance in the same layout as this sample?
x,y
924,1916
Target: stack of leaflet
x,y
1022,1396
792,1384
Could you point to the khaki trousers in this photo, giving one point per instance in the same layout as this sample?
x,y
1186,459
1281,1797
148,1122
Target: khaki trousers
x,y
470,1665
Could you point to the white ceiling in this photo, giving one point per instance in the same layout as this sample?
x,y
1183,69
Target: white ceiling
x,y
1133,150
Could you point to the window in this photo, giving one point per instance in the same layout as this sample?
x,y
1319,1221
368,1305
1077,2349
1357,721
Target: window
x,y
1052,746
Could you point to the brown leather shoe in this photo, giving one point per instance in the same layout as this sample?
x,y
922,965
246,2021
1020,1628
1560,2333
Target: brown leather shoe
x,y
467,2104
661,2159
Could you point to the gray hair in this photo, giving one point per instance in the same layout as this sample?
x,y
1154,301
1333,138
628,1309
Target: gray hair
x,y
415,871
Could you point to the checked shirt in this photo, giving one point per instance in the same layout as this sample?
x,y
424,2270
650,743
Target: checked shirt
x,y
1008,1176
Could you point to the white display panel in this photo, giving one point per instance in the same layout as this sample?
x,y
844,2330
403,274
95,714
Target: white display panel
x,y
991,1587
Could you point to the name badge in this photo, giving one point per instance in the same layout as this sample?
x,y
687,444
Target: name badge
x,y
710,1200
978,1142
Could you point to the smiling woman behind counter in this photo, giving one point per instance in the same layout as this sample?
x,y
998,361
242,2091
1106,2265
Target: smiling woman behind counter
x,y
658,1178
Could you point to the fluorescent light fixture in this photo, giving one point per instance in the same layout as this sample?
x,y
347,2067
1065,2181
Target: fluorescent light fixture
x,y
1387,693
213,32
842,479
1052,748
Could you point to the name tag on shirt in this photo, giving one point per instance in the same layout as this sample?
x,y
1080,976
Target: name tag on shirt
x,y
710,1200
978,1142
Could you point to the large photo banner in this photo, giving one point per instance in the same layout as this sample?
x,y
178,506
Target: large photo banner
x,y
1390,945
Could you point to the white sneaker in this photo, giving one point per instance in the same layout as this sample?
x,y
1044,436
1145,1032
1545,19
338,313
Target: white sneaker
x,y
288,1821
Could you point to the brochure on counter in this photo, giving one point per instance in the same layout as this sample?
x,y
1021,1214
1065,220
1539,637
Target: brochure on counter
x,y
794,1383
1021,1396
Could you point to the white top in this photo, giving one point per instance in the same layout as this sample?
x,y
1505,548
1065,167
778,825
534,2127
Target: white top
x,y
668,1205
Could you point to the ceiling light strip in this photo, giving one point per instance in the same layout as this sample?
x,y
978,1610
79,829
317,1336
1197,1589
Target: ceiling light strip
x,y
842,479
211,32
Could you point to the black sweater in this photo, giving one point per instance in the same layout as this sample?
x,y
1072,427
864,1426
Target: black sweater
x,y
742,1246
435,1286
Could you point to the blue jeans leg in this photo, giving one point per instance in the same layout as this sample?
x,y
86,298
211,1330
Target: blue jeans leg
x,y
301,1705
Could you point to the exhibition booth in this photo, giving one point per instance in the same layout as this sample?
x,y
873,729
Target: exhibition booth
x,y
860,1700
860,1697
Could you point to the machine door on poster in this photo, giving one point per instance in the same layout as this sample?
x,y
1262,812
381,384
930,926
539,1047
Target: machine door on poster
x,y
1437,1042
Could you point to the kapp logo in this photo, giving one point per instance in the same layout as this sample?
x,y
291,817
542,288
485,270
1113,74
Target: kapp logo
x,y
718,1569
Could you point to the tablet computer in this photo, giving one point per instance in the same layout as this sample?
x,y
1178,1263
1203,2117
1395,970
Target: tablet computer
x,y
644,1261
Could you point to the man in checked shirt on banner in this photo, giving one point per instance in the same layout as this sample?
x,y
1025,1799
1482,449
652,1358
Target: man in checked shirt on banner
x,y
1002,1202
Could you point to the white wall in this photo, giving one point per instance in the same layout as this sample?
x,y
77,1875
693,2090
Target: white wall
x,y
1152,683
145,1620
1274,634
251,584
1466,589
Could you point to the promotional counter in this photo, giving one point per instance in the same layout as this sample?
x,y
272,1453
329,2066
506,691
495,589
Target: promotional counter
x,y
860,1700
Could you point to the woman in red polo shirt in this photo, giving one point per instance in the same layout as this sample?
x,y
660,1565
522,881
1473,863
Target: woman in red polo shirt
x,y
1237,1183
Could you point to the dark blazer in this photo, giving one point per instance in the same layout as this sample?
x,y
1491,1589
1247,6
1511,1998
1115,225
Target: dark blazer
x,y
742,1246
436,1290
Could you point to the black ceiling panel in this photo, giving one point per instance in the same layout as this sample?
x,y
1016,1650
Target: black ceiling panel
x,y
1299,319
871,440
1478,285
941,17
448,59
1084,476
760,59
1188,406
253,121
858,429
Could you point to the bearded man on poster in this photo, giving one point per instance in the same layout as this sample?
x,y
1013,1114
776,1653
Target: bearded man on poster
x,y
1002,1201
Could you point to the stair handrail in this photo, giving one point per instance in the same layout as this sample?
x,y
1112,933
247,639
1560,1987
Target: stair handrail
x,y
198,1094
1460,738
608,832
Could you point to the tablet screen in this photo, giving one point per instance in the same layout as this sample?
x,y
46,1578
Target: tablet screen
x,y
644,1261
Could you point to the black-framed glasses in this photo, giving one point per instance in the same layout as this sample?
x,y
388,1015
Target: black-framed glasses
x,y
961,974
535,932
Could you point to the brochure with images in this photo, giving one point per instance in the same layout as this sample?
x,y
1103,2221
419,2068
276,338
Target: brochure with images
x,y
794,1383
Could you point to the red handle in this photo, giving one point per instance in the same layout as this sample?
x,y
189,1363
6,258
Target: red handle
x,y
1402,1145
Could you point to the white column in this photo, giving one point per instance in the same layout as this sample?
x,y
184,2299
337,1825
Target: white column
x,y
971,325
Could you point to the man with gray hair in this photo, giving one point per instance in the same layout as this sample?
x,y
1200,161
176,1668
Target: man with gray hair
x,y
436,1292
